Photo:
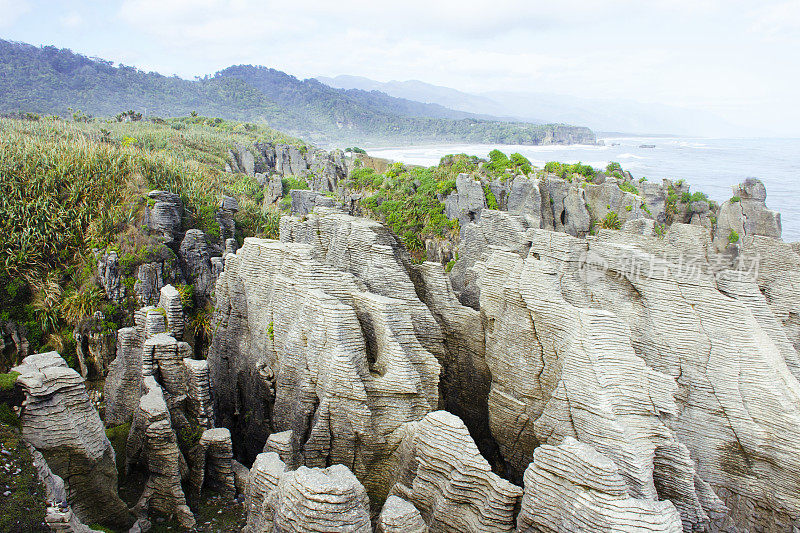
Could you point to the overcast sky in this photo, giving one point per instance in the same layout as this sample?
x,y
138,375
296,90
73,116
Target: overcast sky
x,y
740,59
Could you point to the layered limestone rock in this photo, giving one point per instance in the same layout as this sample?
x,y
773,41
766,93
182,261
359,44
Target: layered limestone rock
x,y
776,268
200,404
567,210
281,443
440,471
59,420
212,464
314,499
152,276
747,214
196,262
165,215
152,442
609,305
304,347
170,302
162,358
304,202
466,202
444,327
496,229
609,198
274,190
572,487
323,170
109,275
228,206
399,516
123,385
264,475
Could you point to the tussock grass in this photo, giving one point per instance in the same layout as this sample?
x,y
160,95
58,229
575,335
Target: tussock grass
x,y
67,187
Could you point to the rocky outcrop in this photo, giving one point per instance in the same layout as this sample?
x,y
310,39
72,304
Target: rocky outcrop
x,y
637,295
170,302
314,499
165,214
152,442
496,229
304,347
123,385
264,475
572,487
162,357
440,471
746,215
212,464
200,404
228,206
59,420
109,275
196,262
466,202
304,201
610,198
399,516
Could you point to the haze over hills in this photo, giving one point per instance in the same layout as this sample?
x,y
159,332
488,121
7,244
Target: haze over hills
x,y
597,113
49,80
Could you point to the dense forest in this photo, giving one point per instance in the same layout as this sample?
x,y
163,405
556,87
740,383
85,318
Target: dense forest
x,y
48,80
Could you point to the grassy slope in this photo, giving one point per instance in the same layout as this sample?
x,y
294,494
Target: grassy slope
x,y
66,188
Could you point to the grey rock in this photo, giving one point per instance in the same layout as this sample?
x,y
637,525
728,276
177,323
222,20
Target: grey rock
x,y
572,487
59,420
152,442
212,464
747,217
360,348
263,480
165,215
441,472
313,499
274,189
399,516
525,198
466,202
567,207
109,275
196,262
228,206
123,385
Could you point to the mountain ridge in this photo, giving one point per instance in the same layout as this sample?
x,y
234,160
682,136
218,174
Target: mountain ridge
x,y
49,80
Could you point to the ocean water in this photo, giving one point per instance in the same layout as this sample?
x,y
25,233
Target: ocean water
x,y
711,166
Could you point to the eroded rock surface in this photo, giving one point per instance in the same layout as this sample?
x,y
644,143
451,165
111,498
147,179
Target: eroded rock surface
x,y
572,487
440,471
304,347
59,420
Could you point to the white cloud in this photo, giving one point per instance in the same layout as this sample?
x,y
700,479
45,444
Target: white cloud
x,y
72,20
778,21
11,11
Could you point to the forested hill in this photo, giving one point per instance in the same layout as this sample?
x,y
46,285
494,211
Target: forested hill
x,y
48,80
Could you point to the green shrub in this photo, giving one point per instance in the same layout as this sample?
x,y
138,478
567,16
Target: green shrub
x,y
628,187
7,381
612,167
611,221
291,183
735,199
271,331
8,416
491,201
445,187
733,237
